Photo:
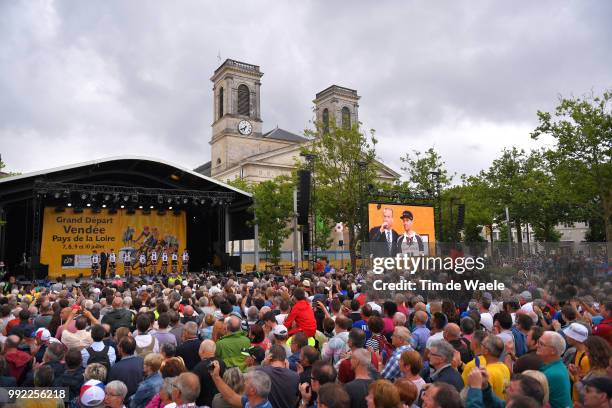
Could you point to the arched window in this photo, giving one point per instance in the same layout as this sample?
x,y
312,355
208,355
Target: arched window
x,y
244,104
346,118
221,102
325,121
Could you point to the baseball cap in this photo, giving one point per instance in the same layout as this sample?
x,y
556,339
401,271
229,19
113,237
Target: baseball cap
x,y
603,384
42,334
256,352
406,214
280,330
92,393
577,332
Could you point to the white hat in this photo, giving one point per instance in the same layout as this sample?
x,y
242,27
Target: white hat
x,y
249,284
577,332
280,330
486,320
92,393
42,334
96,290
306,283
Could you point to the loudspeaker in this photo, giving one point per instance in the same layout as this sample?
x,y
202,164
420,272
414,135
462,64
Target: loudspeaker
x,y
460,216
306,239
234,263
303,196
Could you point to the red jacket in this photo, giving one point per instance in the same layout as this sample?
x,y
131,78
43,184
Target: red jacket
x,y
17,362
303,315
604,329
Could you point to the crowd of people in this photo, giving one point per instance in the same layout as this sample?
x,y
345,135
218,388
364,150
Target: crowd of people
x,y
307,340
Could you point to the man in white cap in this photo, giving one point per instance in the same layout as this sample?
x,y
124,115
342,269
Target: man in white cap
x,y
575,357
92,394
280,335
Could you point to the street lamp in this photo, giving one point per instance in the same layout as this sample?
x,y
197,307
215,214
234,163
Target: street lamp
x,y
435,175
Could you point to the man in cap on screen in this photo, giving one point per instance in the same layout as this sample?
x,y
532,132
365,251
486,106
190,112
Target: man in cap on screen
x,y
410,242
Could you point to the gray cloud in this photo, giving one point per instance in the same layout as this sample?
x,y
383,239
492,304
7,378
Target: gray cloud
x,y
81,80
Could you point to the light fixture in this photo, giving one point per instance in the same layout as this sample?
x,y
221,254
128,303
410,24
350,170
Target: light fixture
x,y
83,196
69,205
122,206
57,195
170,207
151,207
103,205
89,204
140,206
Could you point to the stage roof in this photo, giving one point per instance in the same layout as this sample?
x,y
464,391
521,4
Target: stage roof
x,y
120,171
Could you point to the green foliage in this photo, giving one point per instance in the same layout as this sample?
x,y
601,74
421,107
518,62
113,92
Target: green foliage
x,y
418,167
546,233
273,210
344,165
323,237
597,231
581,159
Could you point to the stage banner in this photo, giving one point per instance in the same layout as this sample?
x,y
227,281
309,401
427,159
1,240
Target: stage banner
x,y
398,228
69,239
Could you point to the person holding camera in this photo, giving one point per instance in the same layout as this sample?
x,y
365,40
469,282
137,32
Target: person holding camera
x,y
202,370
257,386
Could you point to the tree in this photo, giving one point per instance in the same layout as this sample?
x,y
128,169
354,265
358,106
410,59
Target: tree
x,y
343,167
323,237
273,210
418,168
582,156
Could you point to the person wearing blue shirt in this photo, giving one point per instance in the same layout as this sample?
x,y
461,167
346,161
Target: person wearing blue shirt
x,y
550,348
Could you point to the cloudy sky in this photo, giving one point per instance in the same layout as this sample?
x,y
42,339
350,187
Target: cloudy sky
x,y
88,79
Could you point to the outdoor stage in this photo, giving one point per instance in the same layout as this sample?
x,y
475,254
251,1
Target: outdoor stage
x,y
54,218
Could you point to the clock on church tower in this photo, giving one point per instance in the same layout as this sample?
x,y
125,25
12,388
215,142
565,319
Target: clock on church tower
x,y
237,122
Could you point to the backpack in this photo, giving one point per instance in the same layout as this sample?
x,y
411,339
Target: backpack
x,y
143,351
99,357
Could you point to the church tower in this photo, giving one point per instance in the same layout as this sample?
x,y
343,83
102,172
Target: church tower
x,y
339,103
237,125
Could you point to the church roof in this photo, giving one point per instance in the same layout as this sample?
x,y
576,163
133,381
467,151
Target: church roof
x,y
204,169
282,134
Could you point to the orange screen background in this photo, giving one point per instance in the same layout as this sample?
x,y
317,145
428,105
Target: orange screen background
x,y
424,223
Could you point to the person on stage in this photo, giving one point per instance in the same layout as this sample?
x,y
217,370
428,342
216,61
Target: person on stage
x,y
127,264
164,267
112,261
95,264
103,263
174,258
143,263
185,261
153,262
410,242
383,238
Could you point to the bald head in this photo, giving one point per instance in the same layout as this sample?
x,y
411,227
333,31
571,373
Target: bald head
x,y
188,311
117,302
420,317
233,324
420,307
207,349
451,332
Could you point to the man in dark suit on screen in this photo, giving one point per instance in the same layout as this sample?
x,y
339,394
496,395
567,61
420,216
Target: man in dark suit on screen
x,y
383,239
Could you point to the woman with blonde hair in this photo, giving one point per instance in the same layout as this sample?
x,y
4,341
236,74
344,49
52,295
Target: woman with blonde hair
x,y
541,378
95,371
234,378
383,394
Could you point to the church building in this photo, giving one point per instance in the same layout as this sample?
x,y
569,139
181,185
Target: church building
x,y
240,148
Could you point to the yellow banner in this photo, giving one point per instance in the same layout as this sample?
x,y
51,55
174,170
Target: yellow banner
x,y
69,238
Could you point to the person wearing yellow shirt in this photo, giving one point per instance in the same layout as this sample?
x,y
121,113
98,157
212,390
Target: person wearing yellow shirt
x,y
575,335
498,372
476,347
